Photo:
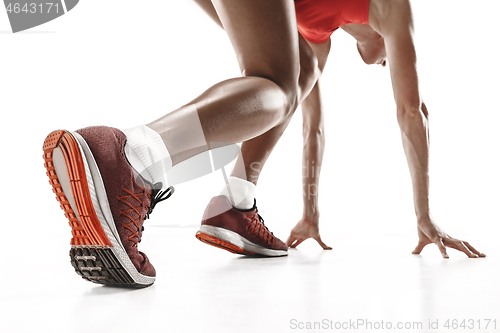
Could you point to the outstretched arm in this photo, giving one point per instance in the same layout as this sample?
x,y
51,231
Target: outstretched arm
x,y
312,157
393,21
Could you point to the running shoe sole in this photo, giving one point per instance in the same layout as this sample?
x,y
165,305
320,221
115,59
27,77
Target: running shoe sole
x,y
97,253
233,242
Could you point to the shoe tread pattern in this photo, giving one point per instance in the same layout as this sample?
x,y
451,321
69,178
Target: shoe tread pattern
x,y
99,265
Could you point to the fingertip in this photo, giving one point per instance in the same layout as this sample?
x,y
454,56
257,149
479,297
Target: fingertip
x,y
323,245
420,246
442,248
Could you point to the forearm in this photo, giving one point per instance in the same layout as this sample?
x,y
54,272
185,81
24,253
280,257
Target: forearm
x,y
414,127
312,157
313,150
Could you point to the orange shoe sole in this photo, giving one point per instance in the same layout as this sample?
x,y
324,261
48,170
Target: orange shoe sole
x,y
92,253
87,230
210,240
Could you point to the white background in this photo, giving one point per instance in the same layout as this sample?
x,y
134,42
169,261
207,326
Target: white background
x,y
124,63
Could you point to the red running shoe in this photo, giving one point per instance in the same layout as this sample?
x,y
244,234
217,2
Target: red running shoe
x,y
238,231
106,202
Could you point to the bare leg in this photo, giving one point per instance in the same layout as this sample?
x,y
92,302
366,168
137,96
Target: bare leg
x,y
256,151
240,109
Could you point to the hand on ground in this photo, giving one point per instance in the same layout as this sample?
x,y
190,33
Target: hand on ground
x,y
303,230
429,233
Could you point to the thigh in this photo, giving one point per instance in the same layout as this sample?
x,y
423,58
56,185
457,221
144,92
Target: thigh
x,y
264,37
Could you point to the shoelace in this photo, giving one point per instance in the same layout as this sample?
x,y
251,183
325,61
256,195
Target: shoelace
x,y
258,228
156,196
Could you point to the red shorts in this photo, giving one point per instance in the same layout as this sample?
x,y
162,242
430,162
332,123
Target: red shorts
x,y
318,19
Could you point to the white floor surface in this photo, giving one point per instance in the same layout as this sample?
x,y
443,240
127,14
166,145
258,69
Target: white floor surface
x,y
363,281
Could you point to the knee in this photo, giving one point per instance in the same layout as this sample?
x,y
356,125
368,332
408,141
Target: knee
x,y
286,90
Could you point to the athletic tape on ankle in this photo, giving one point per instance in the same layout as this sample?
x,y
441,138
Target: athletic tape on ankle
x,y
241,193
187,135
193,139
151,153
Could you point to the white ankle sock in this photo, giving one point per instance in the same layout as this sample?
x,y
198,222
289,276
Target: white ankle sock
x,y
147,154
241,193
